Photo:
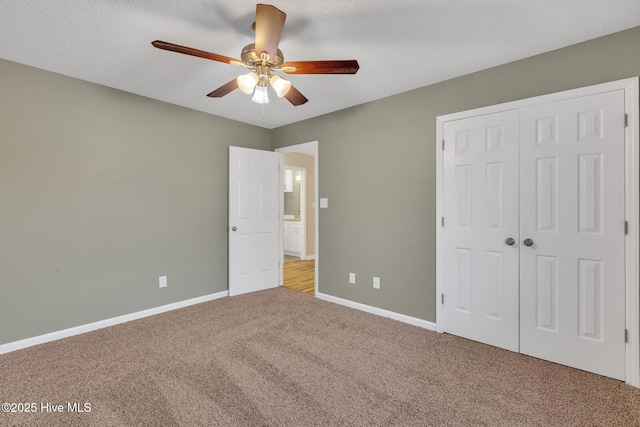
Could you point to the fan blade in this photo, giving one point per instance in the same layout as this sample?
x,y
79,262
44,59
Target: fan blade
x,y
295,97
195,52
269,25
321,67
224,89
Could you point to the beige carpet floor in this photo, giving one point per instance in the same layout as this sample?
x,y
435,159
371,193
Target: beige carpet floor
x,y
283,358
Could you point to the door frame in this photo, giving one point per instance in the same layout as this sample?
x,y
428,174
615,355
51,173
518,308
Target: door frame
x,y
310,148
632,198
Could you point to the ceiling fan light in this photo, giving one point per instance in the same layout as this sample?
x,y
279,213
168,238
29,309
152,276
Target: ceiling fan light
x,y
260,95
247,82
280,85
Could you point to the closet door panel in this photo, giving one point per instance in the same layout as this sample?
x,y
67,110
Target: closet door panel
x,y
481,213
572,293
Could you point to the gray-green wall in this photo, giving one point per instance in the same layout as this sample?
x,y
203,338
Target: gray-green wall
x,y
102,192
377,168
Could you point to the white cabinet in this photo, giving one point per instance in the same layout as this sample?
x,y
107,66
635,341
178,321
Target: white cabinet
x,y
292,237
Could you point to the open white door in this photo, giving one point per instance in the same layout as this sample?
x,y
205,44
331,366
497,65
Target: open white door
x,y
254,225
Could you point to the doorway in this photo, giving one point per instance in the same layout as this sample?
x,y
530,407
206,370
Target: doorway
x,y
299,202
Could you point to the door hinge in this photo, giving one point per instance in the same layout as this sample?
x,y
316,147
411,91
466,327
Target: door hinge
x,y
626,227
443,145
442,221
441,298
626,335
626,120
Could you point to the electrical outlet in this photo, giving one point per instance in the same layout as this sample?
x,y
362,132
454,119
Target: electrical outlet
x,y
376,283
163,281
352,278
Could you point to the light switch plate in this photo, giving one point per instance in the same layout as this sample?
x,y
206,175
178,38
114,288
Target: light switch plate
x,y
324,203
352,278
163,281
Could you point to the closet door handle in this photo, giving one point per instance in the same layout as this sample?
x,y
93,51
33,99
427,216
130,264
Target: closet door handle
x,y
510,241
528,242
234,228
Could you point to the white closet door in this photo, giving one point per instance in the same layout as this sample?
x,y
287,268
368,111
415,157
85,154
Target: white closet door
x,y
572,293
481,211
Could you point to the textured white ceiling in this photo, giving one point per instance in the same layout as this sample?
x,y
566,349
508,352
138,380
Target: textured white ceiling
x,y
400,45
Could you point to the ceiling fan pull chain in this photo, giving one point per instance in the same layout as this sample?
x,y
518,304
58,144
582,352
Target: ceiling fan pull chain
x,y
263,111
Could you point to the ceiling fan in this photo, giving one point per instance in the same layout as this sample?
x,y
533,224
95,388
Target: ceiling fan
x,y
263,58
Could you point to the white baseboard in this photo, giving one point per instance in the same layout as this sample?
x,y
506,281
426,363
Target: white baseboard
x,y
41,339
308,257
379,311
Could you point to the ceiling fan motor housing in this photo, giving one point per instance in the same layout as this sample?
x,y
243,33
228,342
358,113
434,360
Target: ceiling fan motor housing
x,y
252,59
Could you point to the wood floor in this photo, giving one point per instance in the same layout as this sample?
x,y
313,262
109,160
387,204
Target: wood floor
x,y
300,275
